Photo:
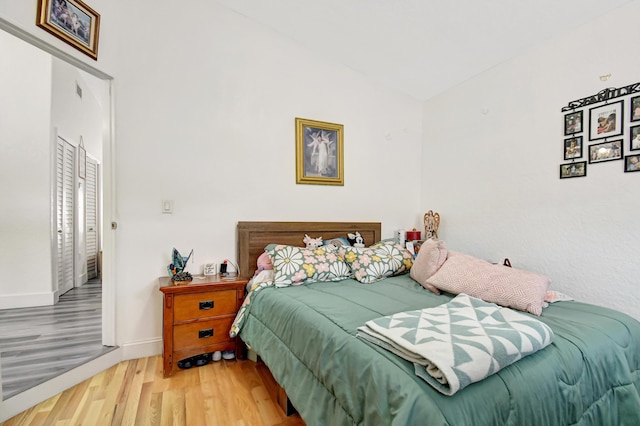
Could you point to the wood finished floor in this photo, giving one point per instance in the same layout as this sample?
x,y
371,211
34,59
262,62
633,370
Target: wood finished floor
x,y
134,392
37,344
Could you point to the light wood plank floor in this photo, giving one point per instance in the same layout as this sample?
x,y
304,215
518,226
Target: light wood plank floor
x,y
37,344
135,393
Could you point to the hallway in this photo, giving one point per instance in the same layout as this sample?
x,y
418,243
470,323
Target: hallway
x,y
37,344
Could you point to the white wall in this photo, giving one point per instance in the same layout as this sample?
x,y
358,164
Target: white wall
x,y
25,216
491,154
74,117
206,102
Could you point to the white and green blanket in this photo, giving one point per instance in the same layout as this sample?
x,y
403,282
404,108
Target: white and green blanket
x,y
460,342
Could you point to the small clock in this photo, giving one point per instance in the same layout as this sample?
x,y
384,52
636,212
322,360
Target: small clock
x,y
210,269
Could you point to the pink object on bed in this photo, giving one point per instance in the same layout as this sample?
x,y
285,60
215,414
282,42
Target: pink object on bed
x,y
510,287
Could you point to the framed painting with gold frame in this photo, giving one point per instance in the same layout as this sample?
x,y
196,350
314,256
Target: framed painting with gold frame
x,y
319,152
71,21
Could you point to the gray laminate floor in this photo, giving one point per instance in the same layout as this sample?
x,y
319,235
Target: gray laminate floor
x,y
37,344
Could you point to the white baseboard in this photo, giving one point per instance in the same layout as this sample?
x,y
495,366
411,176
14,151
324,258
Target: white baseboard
x,y
31,397
142,349
26,300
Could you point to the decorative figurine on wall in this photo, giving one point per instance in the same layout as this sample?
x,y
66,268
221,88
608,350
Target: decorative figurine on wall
x,y
176,268
431,223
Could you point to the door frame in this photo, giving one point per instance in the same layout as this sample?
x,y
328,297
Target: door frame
x,y
55,231
109,178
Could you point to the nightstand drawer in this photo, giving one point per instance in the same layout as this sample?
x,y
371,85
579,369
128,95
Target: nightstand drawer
x,y
201,333
203,305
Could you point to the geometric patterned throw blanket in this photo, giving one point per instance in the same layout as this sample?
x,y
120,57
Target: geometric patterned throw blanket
x,y
460,342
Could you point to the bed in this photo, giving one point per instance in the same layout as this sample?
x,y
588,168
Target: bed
x,y
306,335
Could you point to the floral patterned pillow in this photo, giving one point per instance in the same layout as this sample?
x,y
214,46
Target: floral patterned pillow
x,y
298,265
381,260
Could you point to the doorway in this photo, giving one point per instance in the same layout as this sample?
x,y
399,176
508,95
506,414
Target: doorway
x,y
29,129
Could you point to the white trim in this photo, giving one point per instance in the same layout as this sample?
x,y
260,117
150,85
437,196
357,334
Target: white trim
x,y
142,348
27,300
52,214
108,235
22,34
31,397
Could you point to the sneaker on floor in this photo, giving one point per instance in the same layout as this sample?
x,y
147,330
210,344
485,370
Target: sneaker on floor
x,y
202,360
185,363
216,356
228,355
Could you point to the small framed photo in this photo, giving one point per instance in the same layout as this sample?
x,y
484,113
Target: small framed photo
x,y
210,269
319,152
632,163
573,148
572,170
635,108
605,121
572,123
634,138
71,21
605,151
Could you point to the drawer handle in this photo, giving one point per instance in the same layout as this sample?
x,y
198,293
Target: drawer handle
x,y
203,334
206,305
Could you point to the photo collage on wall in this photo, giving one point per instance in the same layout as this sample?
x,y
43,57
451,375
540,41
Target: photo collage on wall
x,y
601,132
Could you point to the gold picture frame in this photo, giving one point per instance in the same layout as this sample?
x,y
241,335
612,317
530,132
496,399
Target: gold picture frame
x,y
71,21
319,152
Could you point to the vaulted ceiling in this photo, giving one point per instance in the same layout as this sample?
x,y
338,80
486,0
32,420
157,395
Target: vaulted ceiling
x,y
421,47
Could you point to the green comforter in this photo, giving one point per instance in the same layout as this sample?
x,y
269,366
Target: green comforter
x,y
589,375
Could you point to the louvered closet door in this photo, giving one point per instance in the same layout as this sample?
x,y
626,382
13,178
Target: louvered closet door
x,y
91,215
65,200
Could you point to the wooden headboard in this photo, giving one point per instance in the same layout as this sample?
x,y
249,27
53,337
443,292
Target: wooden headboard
x,y
254,236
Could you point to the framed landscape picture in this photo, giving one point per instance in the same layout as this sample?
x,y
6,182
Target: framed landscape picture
x,y
605,151
71,21
605,121
572,170
319,152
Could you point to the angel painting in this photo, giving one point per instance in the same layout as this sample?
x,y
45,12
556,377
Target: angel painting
x,y
322,153
319,152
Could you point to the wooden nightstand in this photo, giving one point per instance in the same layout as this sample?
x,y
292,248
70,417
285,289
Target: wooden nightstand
x,y
197,317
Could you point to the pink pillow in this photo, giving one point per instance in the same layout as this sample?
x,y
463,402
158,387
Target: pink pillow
x,y
430,258
498,284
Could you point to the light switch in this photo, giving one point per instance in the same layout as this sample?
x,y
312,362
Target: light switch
x,y
167,206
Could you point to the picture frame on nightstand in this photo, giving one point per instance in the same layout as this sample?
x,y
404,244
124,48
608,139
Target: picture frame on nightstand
x,y
210,269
